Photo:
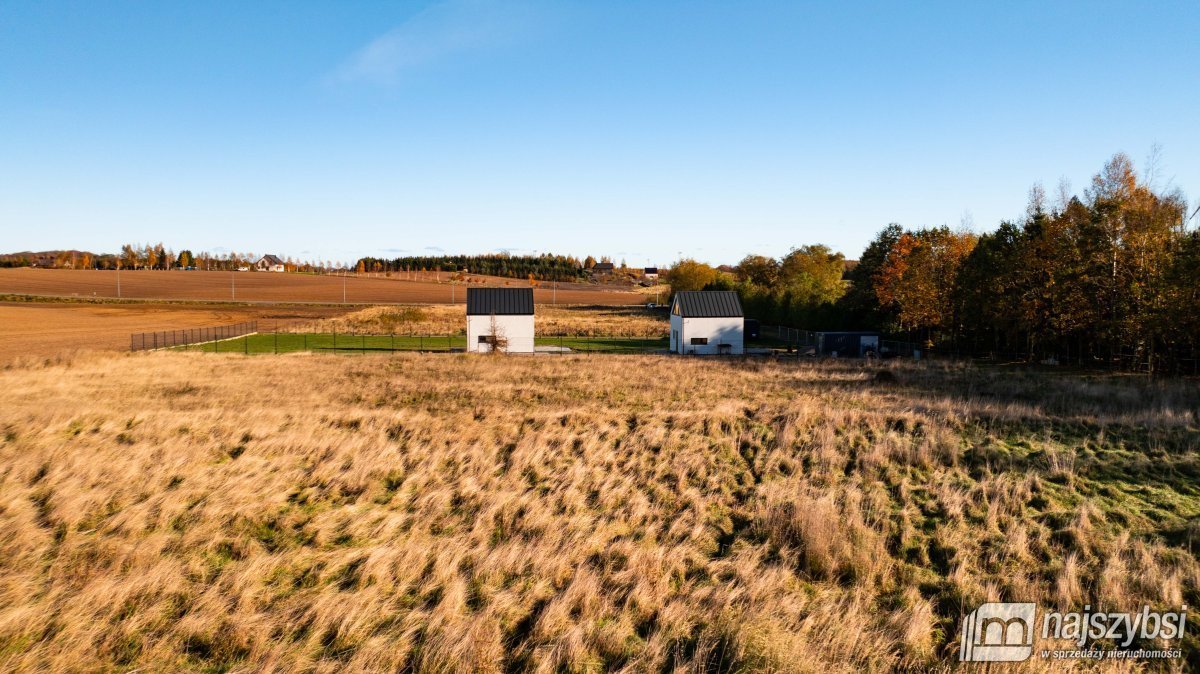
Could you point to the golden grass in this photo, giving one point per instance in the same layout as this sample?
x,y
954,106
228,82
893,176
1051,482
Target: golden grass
x,y
440,319
625,513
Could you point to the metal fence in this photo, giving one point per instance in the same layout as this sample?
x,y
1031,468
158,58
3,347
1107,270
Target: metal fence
x,y
889,348
807,342
791,337
262,342
166,339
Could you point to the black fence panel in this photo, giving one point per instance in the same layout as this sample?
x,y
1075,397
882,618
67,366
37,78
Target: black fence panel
x,y
167,339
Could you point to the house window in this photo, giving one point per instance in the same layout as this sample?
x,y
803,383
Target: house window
x,y
699,340
485,339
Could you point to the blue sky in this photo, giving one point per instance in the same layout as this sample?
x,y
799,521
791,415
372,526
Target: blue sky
x,y
633,129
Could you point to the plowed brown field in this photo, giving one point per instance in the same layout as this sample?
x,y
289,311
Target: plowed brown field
x,y
267,287
44,330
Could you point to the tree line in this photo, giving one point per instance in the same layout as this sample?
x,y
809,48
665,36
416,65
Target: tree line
x,y
160,257
1110,277
544,267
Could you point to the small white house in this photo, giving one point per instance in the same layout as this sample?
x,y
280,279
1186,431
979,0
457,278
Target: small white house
x,y
269,263
707,322
500,319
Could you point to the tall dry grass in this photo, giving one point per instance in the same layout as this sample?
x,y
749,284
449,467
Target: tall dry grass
x,y
442,319
431,513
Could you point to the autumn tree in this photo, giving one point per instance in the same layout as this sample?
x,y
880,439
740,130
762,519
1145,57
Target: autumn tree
x,y
1177,317
987,292
129,256
860,305
759,270
690,275
813,274
917,278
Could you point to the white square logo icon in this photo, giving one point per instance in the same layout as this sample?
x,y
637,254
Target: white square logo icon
x,y
998,632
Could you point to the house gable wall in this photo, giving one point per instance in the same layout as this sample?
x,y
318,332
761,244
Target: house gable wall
x,y
518,330
718,330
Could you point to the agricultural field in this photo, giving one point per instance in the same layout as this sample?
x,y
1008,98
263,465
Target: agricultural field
x,y
175,511
34,330
268,287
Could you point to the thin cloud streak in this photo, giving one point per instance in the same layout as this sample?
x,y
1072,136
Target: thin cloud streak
x,y
438,33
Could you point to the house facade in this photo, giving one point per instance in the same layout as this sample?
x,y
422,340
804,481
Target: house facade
x,y
500,319
269,263
707,322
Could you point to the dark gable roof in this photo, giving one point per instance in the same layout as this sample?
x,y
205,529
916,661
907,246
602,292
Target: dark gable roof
x,y
707,304
500,301
271,259
650,270
603,266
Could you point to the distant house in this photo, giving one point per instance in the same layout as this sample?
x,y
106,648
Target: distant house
x,y
500,319
707,322
603,268
650,273
269,263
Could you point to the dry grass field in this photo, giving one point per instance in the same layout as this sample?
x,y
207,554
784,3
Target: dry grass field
x,y
39,330
268,287
550,320
418,513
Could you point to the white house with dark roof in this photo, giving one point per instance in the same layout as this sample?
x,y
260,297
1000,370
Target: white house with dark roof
x,y
500,319
707,322
269,263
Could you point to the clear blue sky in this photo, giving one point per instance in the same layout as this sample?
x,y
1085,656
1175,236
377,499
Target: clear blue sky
x,y
633,129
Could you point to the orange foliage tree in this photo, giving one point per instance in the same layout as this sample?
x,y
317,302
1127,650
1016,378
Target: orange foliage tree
x,y
917,278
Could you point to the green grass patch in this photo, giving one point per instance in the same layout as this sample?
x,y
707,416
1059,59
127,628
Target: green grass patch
x,y
290,343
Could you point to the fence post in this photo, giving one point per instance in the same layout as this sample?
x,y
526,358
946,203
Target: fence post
x,y
246,344
276,334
